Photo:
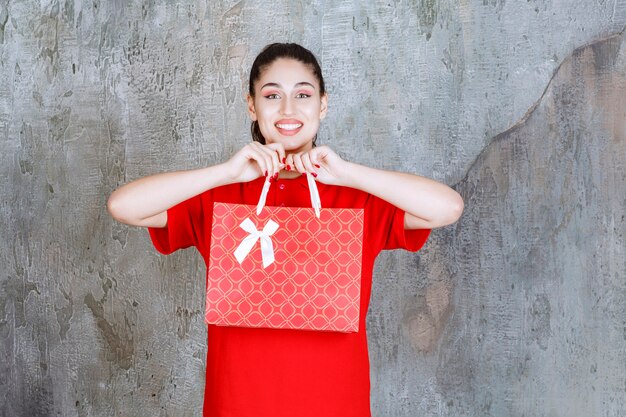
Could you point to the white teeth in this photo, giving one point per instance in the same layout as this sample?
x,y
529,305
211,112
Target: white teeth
x,y
289,127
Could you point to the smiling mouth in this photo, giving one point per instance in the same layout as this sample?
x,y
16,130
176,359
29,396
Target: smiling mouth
x,y
289,126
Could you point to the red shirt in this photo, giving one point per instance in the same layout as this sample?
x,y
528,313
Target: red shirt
x,y
281,372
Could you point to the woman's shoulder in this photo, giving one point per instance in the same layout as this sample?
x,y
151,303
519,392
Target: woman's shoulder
x,y
343,197
235,192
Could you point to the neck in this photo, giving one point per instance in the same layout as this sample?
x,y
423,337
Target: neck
x,y
304,148
288,175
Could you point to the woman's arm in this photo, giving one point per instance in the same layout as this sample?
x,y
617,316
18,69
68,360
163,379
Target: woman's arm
x,y
144,202
427,203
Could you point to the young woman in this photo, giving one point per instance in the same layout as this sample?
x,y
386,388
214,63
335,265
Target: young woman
x,y
252,372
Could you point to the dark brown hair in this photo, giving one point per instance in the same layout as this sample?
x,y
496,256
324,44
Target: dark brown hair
x,y
266,57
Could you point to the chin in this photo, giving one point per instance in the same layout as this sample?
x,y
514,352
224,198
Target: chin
x,y
294,144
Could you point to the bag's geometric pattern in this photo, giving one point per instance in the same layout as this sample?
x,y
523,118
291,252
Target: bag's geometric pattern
x,y
314,282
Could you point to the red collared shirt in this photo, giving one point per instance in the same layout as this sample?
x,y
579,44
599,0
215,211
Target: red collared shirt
x,y
278,372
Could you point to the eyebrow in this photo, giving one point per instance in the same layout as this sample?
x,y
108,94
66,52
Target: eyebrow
x,y
300,84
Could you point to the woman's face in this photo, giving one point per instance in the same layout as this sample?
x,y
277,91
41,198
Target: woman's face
x,y
287,105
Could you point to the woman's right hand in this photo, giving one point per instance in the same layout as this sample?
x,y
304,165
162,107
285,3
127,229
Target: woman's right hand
x,y
255,160
144,202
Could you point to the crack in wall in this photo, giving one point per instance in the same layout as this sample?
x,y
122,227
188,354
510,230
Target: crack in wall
x,y
522,121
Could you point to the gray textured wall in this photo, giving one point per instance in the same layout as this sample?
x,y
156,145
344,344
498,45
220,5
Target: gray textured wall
x,y
517,310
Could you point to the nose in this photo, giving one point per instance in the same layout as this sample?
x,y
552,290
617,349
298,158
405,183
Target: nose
x,y
287,106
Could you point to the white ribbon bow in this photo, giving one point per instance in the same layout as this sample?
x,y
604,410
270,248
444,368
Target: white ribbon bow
x,y
267,248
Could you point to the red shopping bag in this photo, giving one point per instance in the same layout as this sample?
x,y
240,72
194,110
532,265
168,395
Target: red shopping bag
x,y
285,267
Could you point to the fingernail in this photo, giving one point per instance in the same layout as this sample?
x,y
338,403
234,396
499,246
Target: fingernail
x,y
317,166
303,174
284,159
314,174
276,175
266,173
288,168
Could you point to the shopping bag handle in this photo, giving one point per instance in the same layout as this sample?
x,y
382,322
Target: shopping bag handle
x,y
315,195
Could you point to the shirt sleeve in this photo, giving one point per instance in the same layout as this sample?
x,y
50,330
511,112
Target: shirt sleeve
x,y
401,238
185,226
386,223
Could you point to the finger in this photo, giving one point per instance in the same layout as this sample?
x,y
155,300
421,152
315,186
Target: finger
x,y
318,156
306,161
280,150
275,156
297,162
289,164
270,157
261,159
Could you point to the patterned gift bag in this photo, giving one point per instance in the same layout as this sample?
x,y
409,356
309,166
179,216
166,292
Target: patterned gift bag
x,y
285,267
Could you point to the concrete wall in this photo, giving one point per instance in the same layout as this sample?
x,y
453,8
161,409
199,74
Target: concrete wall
x,y
518,309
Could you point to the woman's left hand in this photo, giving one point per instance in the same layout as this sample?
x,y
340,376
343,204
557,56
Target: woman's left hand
x,y
322,162
427,203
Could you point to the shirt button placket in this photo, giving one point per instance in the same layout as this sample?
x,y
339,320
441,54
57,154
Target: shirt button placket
x,y
281,187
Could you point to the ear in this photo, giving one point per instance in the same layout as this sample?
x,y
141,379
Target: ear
x,y
251,109
324,107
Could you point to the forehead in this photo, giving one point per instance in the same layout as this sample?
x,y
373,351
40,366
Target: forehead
x,y
287,72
